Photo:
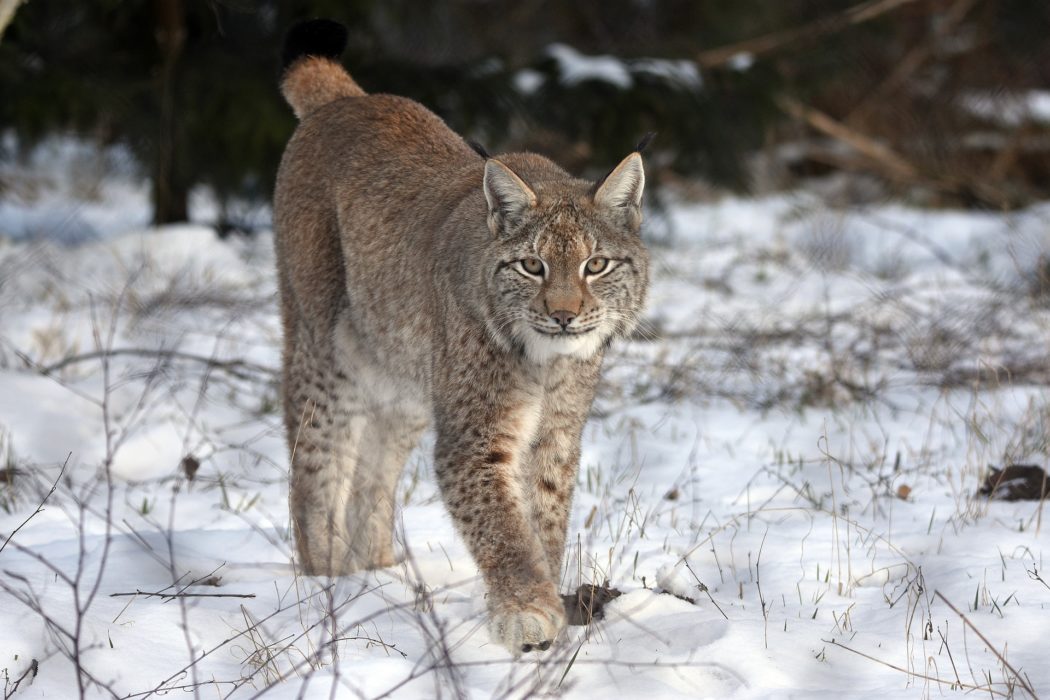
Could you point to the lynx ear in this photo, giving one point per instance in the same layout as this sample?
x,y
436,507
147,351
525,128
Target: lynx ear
x,y
507,195
620,191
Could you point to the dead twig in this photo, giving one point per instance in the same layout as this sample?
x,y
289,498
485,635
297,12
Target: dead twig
x,y
858,14
40,507
11,688
1033,574
895,165
238,368
1006,664
704,589
171,596
914,59
914,674
892,165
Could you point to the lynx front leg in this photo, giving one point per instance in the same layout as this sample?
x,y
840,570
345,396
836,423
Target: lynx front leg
x,y
482,437
555,460
482,488
555,454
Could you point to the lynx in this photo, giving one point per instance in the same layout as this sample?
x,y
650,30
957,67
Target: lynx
x,y
424,283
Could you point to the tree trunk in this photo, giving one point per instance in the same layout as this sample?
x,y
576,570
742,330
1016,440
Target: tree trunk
x,y
170,199
170,188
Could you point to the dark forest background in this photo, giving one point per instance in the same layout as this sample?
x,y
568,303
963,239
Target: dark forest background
x,y
921,96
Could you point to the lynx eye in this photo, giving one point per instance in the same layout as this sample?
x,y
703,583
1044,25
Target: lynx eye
x,y
533,266
596,265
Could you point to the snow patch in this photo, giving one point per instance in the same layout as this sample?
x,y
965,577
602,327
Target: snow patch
x,y
683,73
527,81
1009,109
575,67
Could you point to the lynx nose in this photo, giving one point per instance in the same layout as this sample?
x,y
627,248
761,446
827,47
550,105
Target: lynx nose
x,y
563,318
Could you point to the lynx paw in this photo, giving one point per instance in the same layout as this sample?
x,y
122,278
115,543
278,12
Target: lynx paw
x,y
524,627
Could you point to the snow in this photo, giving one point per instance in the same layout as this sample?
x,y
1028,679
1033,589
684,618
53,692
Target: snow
x,y
683,73
798,366
528,81
67,191
1010,109
575,67
742,61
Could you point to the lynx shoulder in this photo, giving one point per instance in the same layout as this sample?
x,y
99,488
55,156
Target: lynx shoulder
x,y
423,284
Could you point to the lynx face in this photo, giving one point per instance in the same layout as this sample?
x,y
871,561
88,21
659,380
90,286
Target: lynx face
x,y
570,272
402,309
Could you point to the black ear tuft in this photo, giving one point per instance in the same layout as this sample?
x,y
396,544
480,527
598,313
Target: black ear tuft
x,y
644,143
640,148
315,37
478,148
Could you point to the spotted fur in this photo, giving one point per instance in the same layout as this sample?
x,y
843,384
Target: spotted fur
x,y
405,305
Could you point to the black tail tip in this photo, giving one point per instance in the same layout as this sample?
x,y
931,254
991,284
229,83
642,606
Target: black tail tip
x,y
315,37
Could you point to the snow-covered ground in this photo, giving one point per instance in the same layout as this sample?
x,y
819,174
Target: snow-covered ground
x,y
780,475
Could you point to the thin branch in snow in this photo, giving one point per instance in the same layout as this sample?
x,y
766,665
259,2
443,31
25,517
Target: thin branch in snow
x,y
40,507
172,596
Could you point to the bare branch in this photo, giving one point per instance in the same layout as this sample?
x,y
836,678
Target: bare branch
x,y
241,369
40,507
1002,659
171,596
767,43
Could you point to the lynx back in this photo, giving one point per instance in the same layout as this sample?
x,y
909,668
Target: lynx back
x,y
423,284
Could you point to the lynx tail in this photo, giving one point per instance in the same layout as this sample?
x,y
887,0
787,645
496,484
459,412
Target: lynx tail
x,y
312,74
